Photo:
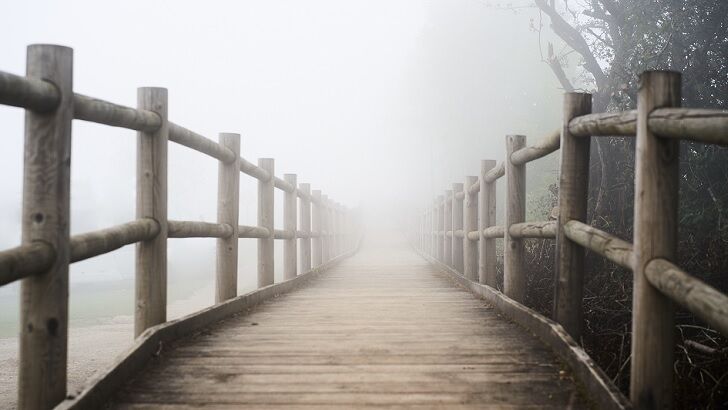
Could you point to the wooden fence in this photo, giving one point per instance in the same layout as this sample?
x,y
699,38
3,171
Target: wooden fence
x,y
327,229
459,229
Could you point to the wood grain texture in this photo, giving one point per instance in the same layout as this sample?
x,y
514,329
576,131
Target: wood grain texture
x,y
382,329
573,195
150,307
514,275
228,209
290,224
486,219
266,212
655,236
458,261
304,218
46,218
470,224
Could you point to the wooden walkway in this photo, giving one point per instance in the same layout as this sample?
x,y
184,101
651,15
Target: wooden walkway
x,y
384,328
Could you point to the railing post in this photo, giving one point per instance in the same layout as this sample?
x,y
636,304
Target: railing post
x,y
305,216
290,225
46,209
573,195
336,243
228,197
514,277
317,227
266,198
470,224
448,228
151,255
326,226
440,214
457,225
655,236
486,219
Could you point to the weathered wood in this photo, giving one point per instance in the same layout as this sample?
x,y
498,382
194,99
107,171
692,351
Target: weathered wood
x,y
440,227
46,214
26,92
317,226
25,260
101,386
611,247
349,343
259,232
151,202
90,244
199,143
458,261
621,123
486,219
447,227
266,212
228,209
254,171
104,112
284,185
196,229
704,301
573,195
494,232
283,234
540,229
514,274
655,236
326,228
496,172
700,125
290,224
470,224
305,224
543,147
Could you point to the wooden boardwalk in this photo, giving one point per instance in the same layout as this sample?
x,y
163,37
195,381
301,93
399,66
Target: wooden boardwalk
x,y
384,328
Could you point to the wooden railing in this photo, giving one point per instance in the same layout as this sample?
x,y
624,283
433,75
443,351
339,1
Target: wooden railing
x,y
452,232
327,229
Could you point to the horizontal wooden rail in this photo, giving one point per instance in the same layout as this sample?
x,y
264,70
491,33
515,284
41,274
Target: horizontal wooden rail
x,y
25,260
254,171
282,234
541,229
495,173
199,143
543,147
699,125
283,185
31,93
88,245
609,246
701,299
194,229
107,113
494,232
245,231
36,257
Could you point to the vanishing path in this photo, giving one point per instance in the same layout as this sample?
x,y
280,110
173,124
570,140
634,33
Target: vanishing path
x,y
383,328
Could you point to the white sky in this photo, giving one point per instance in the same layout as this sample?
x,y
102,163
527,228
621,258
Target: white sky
x,y
378,103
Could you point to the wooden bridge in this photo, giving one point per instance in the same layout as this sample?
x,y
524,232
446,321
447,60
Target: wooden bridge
x,y
390,320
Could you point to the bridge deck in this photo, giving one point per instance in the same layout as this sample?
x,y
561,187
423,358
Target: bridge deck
x,y
381,329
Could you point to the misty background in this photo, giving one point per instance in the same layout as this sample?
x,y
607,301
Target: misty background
x,y
380,104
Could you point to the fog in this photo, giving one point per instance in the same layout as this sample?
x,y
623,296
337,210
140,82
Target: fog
x,y
380,104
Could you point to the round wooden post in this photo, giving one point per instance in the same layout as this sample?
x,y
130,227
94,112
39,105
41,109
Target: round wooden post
x,y
440,227
151,255
266,198
228,194
290,225
486,219
573,196
305,217
46,214
470,224
457,225
655,236
514,277
317,227
326,228
448,228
